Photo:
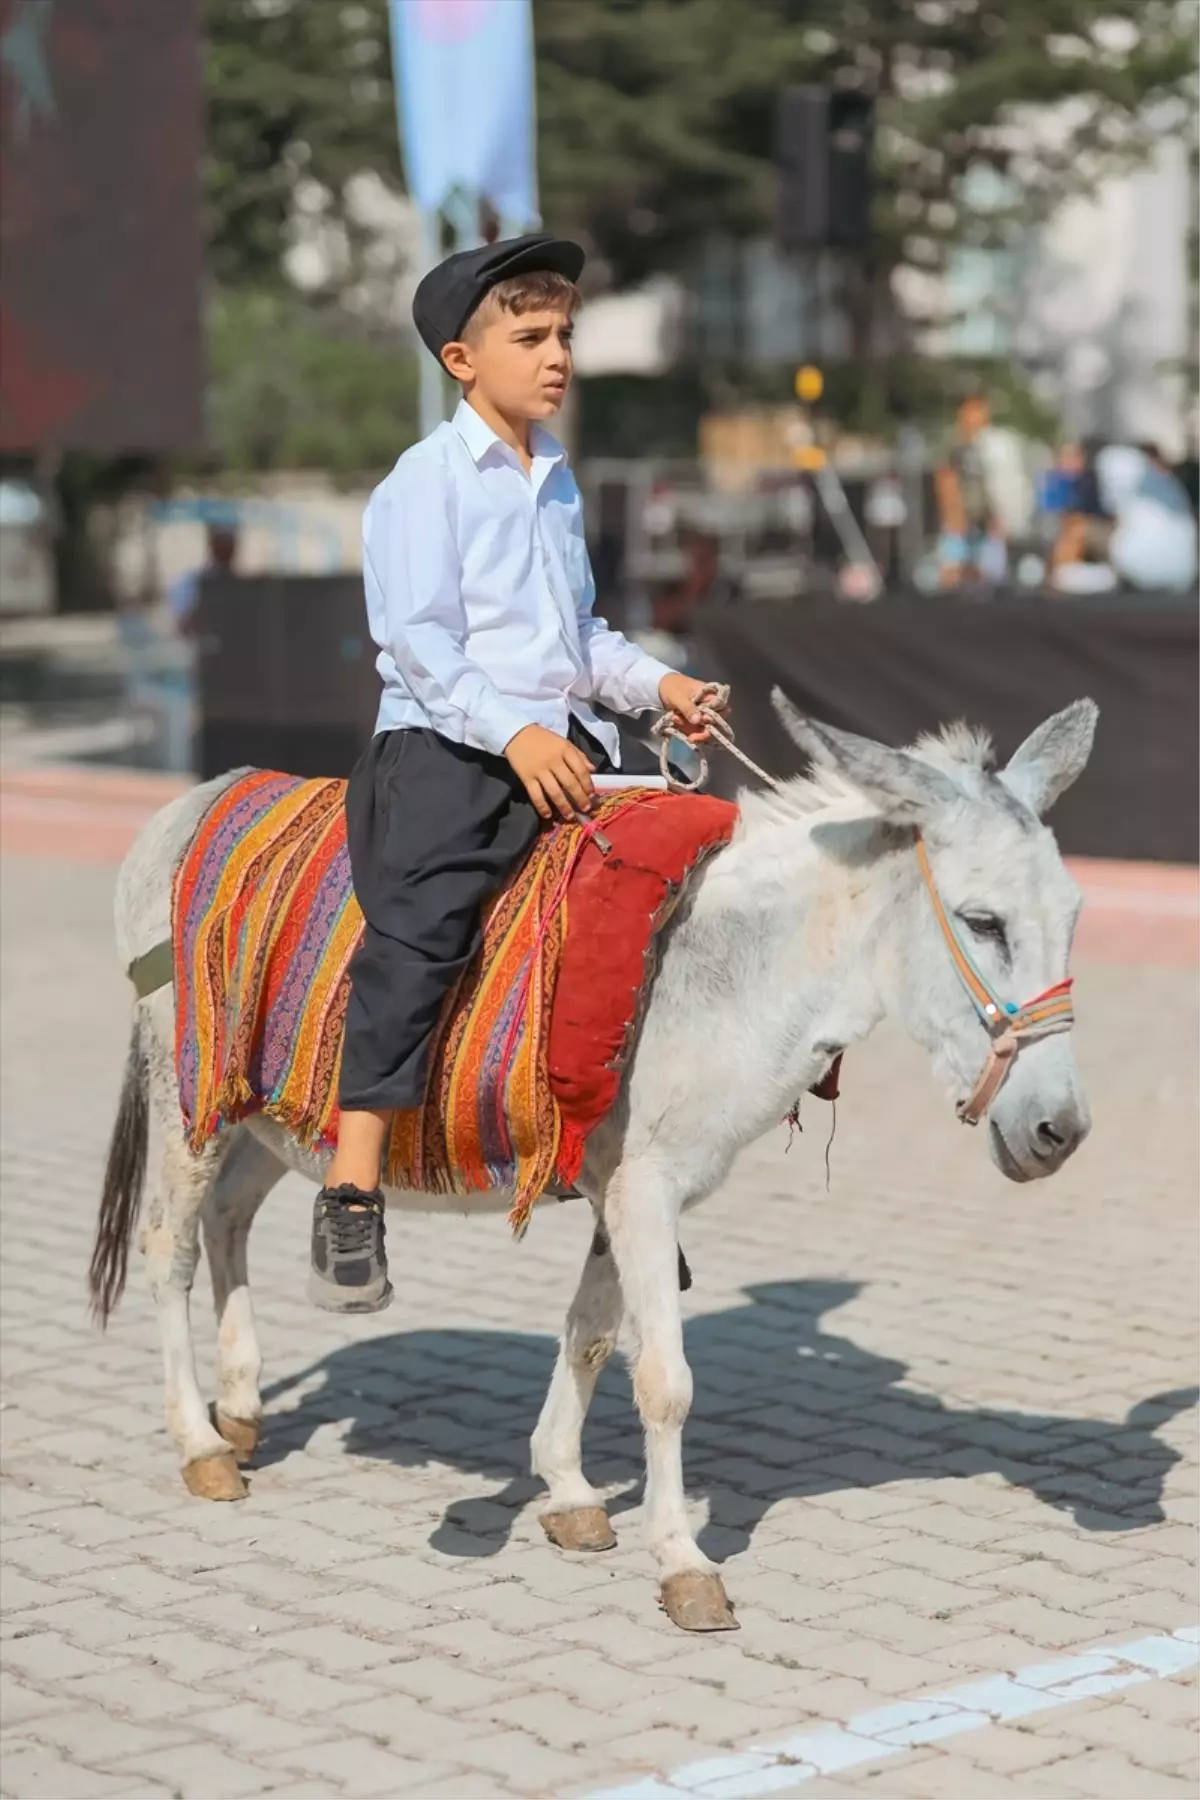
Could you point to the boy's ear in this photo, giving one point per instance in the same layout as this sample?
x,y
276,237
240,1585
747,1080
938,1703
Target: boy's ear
x,y
456,360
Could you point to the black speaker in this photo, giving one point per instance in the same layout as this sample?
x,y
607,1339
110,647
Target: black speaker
x,y
823,153
802,155
286,673
851,119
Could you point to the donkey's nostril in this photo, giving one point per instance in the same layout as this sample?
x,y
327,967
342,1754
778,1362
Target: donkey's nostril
x,y
1049,1137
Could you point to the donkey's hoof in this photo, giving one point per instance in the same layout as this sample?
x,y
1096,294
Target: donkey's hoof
x,y
214,1478
695,1601
581,1528
241,1435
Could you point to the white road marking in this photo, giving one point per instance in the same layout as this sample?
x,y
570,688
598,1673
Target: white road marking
x,y
891,1730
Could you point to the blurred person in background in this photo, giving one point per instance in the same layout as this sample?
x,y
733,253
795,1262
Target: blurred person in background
x,y
702,583
971,546
1079,560
1154,539
222,549
661,619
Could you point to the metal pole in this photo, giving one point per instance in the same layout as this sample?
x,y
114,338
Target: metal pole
x,y
433,385
855,545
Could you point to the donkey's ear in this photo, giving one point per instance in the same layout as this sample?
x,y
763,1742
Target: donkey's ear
x,y
1053,756
905,789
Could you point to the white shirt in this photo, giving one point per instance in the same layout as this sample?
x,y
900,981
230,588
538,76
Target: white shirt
x,y
480,595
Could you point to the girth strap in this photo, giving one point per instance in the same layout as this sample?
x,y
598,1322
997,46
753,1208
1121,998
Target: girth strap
x,y
154,970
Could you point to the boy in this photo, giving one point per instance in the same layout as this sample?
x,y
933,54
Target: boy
x,y
479,595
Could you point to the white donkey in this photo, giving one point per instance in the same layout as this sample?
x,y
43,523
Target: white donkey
x,y
918,885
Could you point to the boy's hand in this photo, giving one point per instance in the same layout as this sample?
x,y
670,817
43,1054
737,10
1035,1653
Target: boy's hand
x,y
557,776
680,694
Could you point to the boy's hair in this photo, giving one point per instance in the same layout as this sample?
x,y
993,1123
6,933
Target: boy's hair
x,y
539,291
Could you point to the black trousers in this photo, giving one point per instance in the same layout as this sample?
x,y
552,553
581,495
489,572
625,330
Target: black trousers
x,y
434,830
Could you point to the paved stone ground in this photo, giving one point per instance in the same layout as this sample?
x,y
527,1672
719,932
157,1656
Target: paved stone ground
x,y
943,1427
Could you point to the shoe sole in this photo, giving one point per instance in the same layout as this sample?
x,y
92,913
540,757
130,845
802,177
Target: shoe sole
x,y
329,1298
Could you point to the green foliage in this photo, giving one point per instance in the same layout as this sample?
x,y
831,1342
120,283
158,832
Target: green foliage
x,y
297,91
294,387
300,101
656,125
657,116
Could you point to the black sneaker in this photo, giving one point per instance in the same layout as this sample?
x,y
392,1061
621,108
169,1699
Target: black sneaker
x,y
349,1263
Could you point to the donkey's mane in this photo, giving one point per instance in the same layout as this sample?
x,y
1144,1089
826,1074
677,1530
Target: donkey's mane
x,y
958,750
957,747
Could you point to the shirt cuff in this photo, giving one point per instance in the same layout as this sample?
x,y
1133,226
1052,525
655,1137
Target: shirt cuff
x,y
641,684
493,725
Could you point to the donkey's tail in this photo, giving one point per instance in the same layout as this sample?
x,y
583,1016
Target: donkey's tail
x,y
124,1179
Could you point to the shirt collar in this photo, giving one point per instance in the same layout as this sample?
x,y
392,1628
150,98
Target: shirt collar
x,y
479,438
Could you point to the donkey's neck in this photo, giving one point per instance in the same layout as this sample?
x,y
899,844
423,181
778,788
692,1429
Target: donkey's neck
x,y
783,951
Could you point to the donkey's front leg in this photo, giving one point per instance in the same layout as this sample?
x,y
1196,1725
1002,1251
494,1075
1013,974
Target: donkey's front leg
x,y
642,1216
574,1517
245,1178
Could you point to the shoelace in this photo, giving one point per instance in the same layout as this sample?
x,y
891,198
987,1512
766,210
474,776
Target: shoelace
x,y
351,1225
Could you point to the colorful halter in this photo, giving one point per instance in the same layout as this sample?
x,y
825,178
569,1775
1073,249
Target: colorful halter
x,y
1008,1026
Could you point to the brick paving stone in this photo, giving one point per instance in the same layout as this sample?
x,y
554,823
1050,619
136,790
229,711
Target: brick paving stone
x,y
47,1656
129,1687
196,1772
334,1651
288,1687
253,1729
89,1734
1122,1727
19,1704
189,1658
88,1623
30,1769
446,1685
920,1463
357,1766
306,1790
1107,1775
459,1786
951,1778
656,1747
411,1727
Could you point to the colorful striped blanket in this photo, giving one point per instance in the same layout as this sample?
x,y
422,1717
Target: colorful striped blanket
x,y
528,1052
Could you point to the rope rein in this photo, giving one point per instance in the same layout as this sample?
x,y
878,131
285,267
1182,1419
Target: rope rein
x,y
712,711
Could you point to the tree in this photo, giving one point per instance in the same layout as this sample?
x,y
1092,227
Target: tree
x,y
657,116
296,387
299,94
300,109
657,122
656,125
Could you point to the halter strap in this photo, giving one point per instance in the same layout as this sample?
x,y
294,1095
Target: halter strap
x,y
1007,1025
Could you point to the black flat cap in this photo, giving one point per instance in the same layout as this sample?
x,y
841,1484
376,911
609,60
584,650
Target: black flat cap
x,y
449,294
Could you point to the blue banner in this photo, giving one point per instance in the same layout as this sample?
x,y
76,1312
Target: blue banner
x,y
464,94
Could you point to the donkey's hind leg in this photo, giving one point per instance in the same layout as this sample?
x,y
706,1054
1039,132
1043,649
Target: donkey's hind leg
x,y
246,1176
574,1515
171,1244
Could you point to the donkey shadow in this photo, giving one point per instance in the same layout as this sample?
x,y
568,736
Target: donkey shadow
x,y
783,1409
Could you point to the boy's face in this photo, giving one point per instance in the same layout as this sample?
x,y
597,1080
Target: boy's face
x,y
519,362
974,415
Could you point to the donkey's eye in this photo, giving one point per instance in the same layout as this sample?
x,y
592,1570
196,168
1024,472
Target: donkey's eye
x,y
986,926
